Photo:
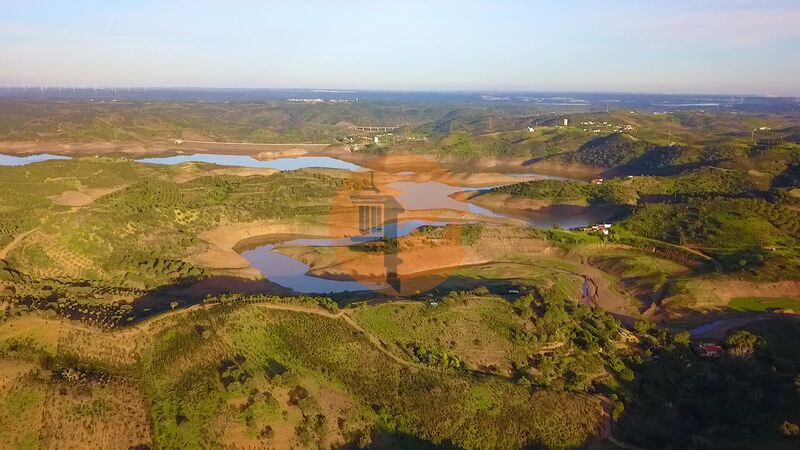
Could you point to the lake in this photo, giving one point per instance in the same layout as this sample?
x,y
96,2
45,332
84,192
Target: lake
x,y
303,162
293,274
413,196
11,160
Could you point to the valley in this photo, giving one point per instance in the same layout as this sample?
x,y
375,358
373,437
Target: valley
x,y
448,286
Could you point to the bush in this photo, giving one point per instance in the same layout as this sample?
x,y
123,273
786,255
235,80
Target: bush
x,y
619,408
744,343
683,338
643,327
790,430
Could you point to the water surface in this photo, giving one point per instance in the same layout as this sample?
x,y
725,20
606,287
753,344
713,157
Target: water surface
x,y
415,196
291,273
563,216
11,160
542,176
303,162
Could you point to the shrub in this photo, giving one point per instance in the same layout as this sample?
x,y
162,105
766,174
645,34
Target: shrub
x,y
790,430
683,338
744,343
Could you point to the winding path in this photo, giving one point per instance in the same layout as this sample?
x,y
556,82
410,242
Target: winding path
x,y
342,314
7,249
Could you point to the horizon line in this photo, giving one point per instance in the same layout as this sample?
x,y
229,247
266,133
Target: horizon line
x,y
395,90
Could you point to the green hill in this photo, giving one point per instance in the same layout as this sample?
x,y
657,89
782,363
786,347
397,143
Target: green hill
x,y
610,151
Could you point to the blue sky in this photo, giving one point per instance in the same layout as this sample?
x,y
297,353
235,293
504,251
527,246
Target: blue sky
x,y
704,46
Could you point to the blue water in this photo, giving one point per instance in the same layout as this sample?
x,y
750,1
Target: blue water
x,y
9,160
248,161
404,228
541,176
293,274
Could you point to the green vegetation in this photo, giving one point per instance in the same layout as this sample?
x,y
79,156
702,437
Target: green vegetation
x,y
762,304
610,151
748,236
740,400
244,372
569,192
138,236
544,338
511,351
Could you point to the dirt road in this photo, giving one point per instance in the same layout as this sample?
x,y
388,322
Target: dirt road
x,y
11,245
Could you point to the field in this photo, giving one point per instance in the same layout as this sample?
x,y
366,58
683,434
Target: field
x,y
763,304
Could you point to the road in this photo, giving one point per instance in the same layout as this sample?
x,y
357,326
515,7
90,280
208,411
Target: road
x,y
7,249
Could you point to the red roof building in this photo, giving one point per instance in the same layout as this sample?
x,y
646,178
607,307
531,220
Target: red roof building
x,y
709,350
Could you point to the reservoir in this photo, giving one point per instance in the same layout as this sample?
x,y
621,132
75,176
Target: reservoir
x,y
303,162
11,160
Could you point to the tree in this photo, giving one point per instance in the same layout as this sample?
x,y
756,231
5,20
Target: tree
x,y
683,338
642,327
790,430
744,343
627,375
619,408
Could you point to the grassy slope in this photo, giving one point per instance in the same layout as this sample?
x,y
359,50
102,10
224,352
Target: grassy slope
x,y
138,237
227,374
763,304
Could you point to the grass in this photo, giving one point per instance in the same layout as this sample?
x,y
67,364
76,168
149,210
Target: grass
x,y
781,335
763,304
480,332
477,370
20,411
137,238
240,373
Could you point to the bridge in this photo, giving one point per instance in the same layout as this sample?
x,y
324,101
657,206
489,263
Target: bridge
x,y
373,129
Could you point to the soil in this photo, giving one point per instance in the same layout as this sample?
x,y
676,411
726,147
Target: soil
x,y
82,198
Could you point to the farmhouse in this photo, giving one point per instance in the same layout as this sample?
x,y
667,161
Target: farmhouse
x,y
604,228
709,350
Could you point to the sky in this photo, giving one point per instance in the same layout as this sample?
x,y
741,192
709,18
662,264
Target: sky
x,y
676,46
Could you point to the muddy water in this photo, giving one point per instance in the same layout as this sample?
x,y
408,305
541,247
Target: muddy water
x,y
563,216
434,195
413,196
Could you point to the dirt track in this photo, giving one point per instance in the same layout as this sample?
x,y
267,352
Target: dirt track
x,y
11,245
